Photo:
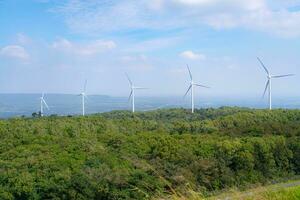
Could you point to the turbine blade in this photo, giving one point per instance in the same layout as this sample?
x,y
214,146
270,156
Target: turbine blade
x,y
45,104
187,91
128,79
190,73
202,86
262,64
141,88
267,85
130,95
280,76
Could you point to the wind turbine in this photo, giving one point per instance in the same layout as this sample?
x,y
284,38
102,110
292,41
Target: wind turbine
x,y
83,96
132,93
42,103
269,82
191,87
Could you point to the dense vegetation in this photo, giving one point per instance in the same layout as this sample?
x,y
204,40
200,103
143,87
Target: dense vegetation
x,y
119,155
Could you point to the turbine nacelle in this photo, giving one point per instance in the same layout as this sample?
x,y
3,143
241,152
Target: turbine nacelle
x,y
269,77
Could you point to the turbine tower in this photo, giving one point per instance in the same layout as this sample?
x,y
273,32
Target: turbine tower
x,y
191,88
269,82
83,96
42,104
132,93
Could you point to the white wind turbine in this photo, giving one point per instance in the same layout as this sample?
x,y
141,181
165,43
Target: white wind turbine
x,y
269,82
132,93
42,104
191,87
83,97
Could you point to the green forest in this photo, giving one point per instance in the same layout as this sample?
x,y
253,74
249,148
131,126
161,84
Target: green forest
x,y
146,155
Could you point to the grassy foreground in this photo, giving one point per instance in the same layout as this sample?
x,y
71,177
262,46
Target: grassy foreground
x,y
283,194
274,192
146,155
283,191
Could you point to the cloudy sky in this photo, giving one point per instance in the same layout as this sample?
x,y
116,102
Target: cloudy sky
x,y
54,45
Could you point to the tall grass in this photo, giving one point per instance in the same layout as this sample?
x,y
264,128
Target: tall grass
x,y
260,193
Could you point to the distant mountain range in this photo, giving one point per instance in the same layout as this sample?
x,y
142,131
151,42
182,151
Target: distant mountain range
x,y
13,105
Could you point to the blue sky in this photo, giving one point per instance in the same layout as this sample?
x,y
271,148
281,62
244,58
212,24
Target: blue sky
x,y
54,45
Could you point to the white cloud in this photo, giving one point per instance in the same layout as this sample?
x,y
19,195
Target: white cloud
x,y
84,49
222,5
108,16
152,44
134,58
282,23
257,15
22,39
95,16
14,51
156,4
135,62
232,67
192,55
195,2
178,71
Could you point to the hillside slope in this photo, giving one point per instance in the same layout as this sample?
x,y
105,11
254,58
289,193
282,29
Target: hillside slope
x,y
119,155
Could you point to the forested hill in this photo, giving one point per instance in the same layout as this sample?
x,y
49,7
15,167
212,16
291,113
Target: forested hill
x,y
146,155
